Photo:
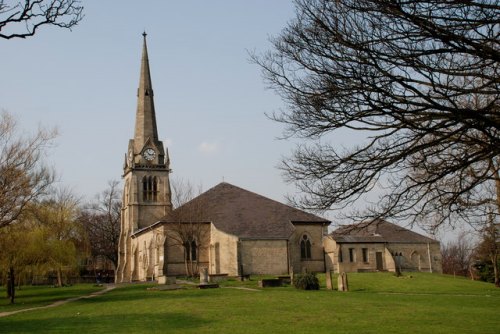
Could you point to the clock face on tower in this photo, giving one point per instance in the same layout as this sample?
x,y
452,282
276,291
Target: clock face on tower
x,y
149,154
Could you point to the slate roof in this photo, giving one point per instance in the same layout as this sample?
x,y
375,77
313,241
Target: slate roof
x,y
378,231
245,214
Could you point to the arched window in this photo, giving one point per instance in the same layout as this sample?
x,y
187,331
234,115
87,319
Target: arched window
x,y
149,188
190,250
305,248
145,188
154,187
193,250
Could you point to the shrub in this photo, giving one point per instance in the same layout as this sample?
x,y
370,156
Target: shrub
x,y
307,281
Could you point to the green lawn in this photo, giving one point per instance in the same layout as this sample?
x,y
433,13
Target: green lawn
x,y
34,296
377,303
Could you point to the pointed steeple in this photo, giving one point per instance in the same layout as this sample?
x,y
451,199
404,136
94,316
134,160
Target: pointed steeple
x,y
145,121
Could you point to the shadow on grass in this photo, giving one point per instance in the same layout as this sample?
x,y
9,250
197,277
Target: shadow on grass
x,y
135,323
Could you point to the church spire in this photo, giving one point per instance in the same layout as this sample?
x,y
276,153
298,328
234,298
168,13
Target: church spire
x,y
145,121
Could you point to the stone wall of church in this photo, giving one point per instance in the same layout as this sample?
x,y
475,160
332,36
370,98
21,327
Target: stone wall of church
x,y
361,257
316,261
145,257
223,253
358,257
174,258
264,257
417,257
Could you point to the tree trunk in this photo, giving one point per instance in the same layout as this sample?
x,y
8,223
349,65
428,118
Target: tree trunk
x,y
187,267
59,277
494,260
186,264
11,286
494,227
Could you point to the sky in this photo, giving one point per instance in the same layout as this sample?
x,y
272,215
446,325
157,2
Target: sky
x,y
210,100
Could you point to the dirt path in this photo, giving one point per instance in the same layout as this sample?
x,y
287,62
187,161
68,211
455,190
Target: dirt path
x,y
107,288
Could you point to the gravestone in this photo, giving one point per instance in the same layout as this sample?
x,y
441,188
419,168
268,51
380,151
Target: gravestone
x,y
343,285
328,276
203,275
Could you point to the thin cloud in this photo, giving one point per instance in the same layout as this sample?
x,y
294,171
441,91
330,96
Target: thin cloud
x,y
208,148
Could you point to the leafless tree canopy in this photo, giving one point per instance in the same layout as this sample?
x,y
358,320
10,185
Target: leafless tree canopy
x,y
188,228
457,255
416,81
489,247
23,175
101,222
21,19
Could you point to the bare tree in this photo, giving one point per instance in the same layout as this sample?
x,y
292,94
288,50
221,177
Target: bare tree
x,y
187,226
101,222
457,255
21,19
23,176
415,81
488,249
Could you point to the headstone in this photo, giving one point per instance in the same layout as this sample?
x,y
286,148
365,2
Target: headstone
x,y
328,276
203,275
167,280
342,282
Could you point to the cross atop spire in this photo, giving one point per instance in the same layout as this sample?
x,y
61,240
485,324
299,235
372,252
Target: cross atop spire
x,y
145,122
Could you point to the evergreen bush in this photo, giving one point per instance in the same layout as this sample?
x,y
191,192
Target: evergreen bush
x,y
307,281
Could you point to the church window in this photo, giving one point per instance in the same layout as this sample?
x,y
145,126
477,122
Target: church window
x,y
155,189
352,255
193,250
305,248
365,254
190,248
341,256
144,188
149,189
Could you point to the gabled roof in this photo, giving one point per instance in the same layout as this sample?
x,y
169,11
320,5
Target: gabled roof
x,y
243,213
378,231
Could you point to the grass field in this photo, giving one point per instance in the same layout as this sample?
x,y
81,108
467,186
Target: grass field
x,y
376,303
34,296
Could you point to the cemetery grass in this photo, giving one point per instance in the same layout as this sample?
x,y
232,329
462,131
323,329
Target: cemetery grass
x,y
36,296
376,303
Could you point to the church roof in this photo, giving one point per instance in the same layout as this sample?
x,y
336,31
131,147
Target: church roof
x,y
243,213
379,231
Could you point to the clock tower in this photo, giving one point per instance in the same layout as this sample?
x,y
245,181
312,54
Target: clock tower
x,y
146,192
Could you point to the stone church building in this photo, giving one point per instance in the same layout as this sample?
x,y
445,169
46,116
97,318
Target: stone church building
x,y
381,246
227,229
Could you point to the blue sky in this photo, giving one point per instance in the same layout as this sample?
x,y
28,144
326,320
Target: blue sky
x,y
210,100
